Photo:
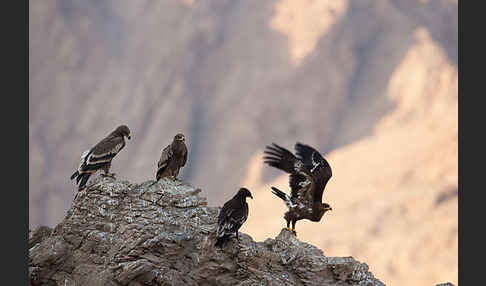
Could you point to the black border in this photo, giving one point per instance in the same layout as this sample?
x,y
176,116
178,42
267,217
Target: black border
x,y
15,204
460,198
470,238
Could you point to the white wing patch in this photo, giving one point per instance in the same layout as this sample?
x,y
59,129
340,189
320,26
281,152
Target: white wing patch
x,y
316,164
298,166
304,183
83,158
223,228
289,202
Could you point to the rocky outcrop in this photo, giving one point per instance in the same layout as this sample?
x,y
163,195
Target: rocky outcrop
x,y
120,233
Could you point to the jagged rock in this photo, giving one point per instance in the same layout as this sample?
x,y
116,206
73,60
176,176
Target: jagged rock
x,y
119,233
38,235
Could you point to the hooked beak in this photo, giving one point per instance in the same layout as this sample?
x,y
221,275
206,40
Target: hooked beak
x,y
329,209
129,137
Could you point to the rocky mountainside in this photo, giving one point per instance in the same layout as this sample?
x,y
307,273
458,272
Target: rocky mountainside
x,y
119,233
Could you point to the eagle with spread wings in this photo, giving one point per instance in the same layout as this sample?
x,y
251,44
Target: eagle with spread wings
x,y
100,156
309,174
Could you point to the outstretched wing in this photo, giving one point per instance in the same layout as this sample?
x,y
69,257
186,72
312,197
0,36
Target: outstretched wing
x,y
300,179
164,158
101,154
318,166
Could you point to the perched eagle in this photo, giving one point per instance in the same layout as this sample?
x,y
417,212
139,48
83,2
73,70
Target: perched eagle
x,y
99,157
232,216
309,174
172,159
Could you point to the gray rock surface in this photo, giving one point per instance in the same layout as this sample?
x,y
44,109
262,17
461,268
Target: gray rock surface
x,y
120,233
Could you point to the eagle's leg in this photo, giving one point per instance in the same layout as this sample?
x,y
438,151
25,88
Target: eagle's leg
x,y
171,175
288,225
293,228
107,173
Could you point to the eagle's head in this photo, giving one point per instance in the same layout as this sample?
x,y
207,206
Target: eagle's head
x,y
123,130
179,138
326,207
319,210
244,193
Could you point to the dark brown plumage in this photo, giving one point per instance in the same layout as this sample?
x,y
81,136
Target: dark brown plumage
x,y
309,174
232,216
100,156
172,159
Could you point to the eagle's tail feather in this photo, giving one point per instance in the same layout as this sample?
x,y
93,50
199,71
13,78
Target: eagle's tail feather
x,y
280,194
221,241
74,175
286,198
84,178
79,177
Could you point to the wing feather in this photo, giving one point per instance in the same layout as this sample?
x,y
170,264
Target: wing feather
x,y
319,167
164,157
101,154
231,217
224,223
83,158
300,179
184,159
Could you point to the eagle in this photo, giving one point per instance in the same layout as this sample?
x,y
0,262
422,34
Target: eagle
x,y
99,157
309,174
232,216
172,159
